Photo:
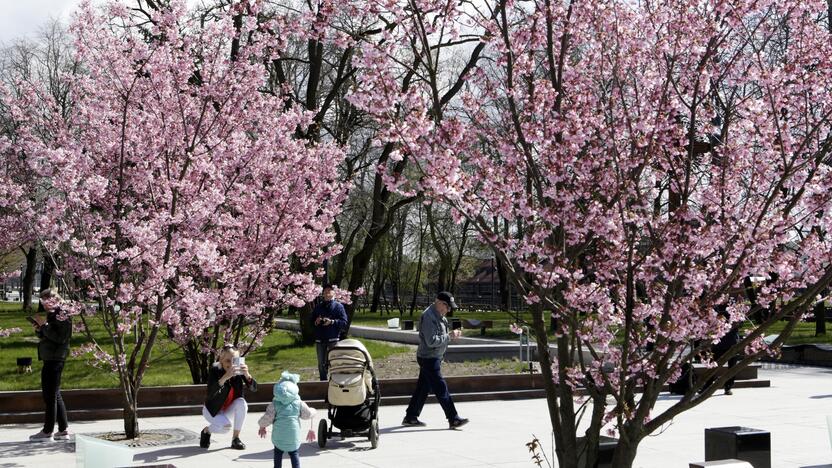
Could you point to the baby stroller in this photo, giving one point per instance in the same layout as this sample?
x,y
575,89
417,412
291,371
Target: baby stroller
x,y
352,394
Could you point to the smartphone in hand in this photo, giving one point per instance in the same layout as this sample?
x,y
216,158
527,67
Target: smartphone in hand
x,y
33,321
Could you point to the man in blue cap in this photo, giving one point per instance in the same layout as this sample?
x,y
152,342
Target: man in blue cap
x,y
434,336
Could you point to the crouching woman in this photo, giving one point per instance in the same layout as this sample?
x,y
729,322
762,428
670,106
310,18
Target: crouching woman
x,y
225,399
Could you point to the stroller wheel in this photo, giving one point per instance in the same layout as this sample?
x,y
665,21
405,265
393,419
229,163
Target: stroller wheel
x,y
322,433
374,433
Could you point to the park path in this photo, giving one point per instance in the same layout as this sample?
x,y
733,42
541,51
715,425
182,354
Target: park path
x,y
793,409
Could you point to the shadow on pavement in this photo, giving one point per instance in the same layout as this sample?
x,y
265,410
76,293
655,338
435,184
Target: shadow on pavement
x,y
172,453
33,449
820,397
406,429
306,450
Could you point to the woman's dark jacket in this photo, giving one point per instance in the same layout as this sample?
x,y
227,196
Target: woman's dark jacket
x,y
54,338
217,395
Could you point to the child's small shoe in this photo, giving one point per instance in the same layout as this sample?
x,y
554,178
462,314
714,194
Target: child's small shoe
x,y
237,444
62,435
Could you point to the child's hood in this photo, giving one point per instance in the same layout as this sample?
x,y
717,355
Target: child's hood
x,y
286,390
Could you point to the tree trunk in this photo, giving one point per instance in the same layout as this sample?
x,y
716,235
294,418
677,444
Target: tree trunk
x,y
307,329
455,269
130,413
29,277
46,275
418,279
625,451
378,285
198,362
820,318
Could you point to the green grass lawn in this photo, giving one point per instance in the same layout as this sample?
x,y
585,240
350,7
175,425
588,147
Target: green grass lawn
x,y
501,320
804,333
280,351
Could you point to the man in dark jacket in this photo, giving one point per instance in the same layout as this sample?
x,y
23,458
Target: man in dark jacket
x,y
54,332
330,320
225,398
725,343
434,336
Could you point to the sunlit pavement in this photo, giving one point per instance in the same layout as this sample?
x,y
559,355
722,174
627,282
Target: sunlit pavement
x,y
793,409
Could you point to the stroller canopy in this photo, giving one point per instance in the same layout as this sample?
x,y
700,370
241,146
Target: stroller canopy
x,y
350,373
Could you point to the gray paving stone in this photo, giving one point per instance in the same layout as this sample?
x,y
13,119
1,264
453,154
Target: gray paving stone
x,y
793,410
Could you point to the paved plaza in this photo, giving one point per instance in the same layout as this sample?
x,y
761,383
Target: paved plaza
x,y
793,409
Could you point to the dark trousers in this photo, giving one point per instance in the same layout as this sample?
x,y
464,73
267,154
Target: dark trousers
x,y
321,349
50,384
732,361
430,379
293,456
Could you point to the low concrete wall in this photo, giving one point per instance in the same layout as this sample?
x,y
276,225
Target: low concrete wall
x,y
93,404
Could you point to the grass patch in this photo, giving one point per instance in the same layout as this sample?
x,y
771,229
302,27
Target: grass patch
x,y
280,351
501,321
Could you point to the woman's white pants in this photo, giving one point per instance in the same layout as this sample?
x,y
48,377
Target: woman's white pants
x,y
221,423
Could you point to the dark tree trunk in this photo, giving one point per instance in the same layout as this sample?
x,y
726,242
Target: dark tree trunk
x,y
378,286
29,277
307,329
502,276
130,412
460,253
198,362
820,318
46,274
625,451
418,279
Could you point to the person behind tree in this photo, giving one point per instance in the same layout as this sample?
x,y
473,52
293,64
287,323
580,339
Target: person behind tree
x,y
330,320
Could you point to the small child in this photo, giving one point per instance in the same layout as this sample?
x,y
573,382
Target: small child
x,y
285,412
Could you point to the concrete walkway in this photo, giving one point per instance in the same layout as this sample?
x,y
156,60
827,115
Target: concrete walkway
x,y
793,410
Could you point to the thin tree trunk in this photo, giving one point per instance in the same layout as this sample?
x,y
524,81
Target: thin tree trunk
x,y
46,275
418,278
378,285
130,412
29,277
455,270
820,318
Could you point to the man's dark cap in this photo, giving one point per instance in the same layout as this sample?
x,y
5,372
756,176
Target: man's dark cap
x,y
445,296
327,286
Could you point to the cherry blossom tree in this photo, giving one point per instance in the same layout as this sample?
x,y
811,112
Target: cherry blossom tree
x,y
654,158
183,200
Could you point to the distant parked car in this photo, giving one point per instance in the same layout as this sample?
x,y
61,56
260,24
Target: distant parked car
x,y
13,296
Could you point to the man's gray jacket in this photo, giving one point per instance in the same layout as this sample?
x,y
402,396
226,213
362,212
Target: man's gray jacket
x,y
433,334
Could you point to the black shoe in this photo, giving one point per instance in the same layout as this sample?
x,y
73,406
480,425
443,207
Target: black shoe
x,y
728,391
407,421
237,444
457,422
204,439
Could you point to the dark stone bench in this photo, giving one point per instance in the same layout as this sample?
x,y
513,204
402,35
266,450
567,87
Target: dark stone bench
x,y
740,443
481,324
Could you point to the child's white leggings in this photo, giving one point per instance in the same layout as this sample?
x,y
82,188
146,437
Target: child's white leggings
x,y
221,423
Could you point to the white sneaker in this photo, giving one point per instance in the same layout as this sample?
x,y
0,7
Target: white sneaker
x,y
62,435
41,437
